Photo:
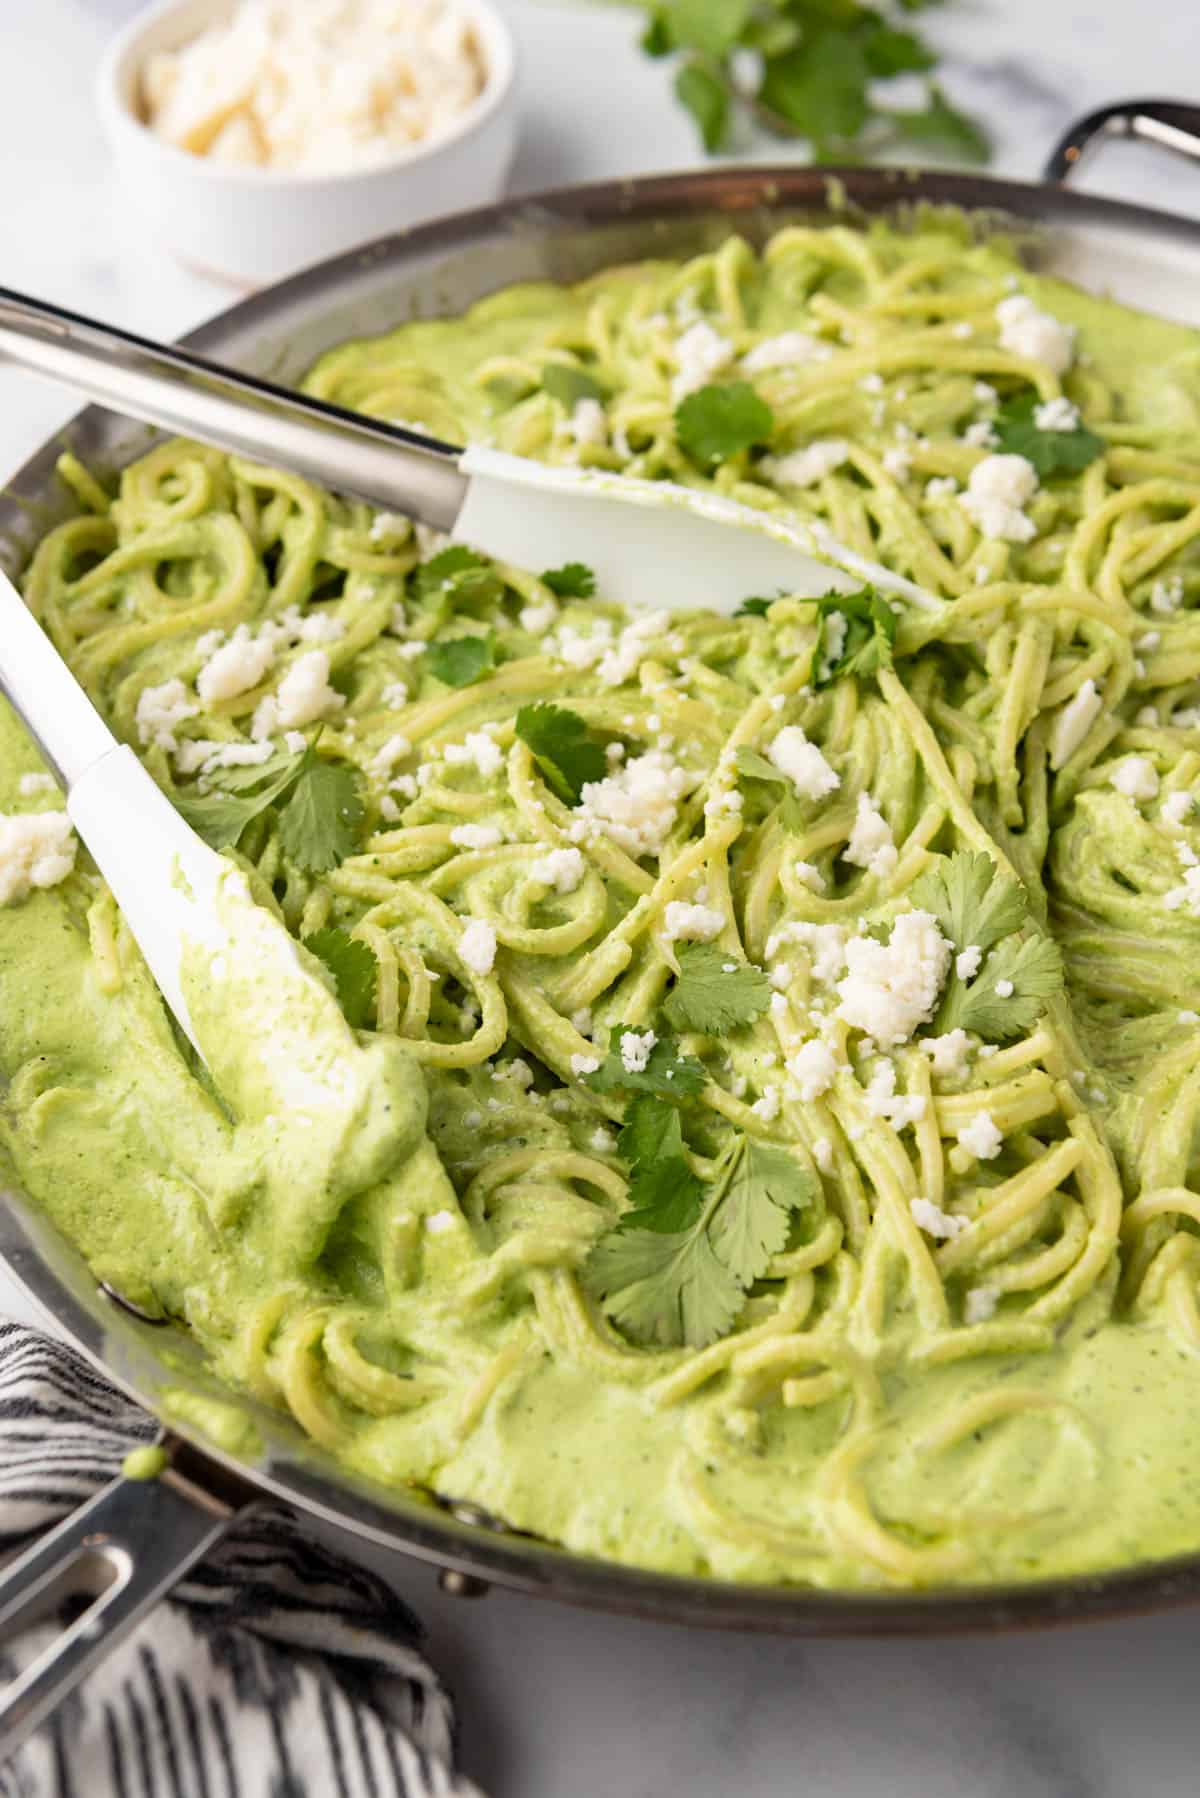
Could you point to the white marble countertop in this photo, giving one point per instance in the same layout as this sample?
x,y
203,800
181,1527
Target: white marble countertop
x,y
557,1704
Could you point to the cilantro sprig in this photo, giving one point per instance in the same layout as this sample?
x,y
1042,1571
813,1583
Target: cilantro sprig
x,y
677,1267
567,754
667,1072
1051,452
574,580
355,972
977,905
717,423
714,994
810,73
320,809
863,643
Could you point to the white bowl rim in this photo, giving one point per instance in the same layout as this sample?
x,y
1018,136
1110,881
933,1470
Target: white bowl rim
x,y
500,54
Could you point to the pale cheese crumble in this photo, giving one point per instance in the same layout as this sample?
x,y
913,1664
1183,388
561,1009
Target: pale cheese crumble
x,y
1073,722
930,1218
477,946
981,1137
998,488
691,923
803,763
562,869
891,987
1027,331
636,806
37,850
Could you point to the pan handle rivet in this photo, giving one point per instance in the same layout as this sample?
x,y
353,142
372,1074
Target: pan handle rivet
x,y
462,1585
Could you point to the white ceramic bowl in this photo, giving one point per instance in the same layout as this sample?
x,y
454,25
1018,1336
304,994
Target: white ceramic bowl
x,y
254,225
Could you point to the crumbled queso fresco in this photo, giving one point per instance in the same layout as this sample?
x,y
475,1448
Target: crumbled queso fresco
x,y
317,87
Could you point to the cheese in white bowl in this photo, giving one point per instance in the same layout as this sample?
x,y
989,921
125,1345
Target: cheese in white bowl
x,y
317,87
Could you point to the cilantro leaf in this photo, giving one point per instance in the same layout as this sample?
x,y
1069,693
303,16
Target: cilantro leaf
x,y
462,660
939,126
978,905
754,766
890,51
574,580
354,969
706,97
716,423
459,574
322,820
712,997
711,26
252,775
319,824
664,1194
974,902
568,384
751,1223
664,1287
676,1270
238,796
806,68
1051,452
1033,965
671,1075
866,646
754,608
657,40
819,88
566,753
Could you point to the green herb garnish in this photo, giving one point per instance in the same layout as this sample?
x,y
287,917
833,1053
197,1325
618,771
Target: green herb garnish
x,y
462,660
1050,452
319,821
567,754
717,423
807,68
713,993
459,575
677,1266
870,632
978,906
667,1072
354,969
572,581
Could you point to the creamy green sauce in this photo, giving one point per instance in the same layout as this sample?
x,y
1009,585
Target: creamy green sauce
x,y
397,1263
144,1463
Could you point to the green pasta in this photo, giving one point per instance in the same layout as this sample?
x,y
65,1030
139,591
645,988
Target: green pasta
x,y
801,996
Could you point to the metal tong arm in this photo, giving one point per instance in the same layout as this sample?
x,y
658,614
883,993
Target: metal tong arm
x,y
122,1553
1170,124
180,391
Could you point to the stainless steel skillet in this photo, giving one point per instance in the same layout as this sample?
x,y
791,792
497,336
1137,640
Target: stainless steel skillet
x,y
128,1547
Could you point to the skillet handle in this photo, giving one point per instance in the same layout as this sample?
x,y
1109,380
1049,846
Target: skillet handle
x,y
121,1553
1170,124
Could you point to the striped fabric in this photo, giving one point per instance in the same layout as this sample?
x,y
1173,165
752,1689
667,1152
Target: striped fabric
x,y
278,1670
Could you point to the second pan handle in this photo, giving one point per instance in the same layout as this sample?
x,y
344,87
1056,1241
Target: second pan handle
x,y
119,1554
1170,124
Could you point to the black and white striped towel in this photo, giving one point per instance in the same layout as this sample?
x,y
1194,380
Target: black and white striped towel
x,y
278,1670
